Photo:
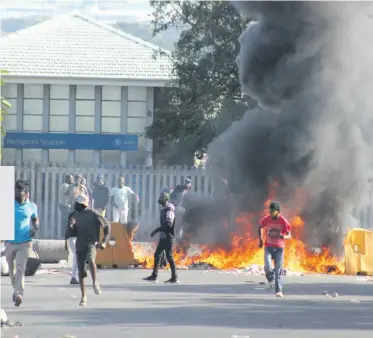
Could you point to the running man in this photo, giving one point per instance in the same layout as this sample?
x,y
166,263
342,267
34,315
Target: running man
x,y
18,250
166,241
276,229
85,224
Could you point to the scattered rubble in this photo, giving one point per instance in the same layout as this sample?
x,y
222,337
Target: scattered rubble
x,y
202,266
356,301
335,294
5,322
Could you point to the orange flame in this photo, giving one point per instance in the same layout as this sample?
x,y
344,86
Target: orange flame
x,y
244,250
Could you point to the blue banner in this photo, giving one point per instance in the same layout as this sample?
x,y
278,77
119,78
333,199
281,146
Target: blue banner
x,y
70,141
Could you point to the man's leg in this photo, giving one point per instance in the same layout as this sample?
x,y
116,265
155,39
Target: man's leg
x,y
74,269
278,257
268,266
124,216
81,257
171,261
10,255
91,257
116,215
157,260
22,255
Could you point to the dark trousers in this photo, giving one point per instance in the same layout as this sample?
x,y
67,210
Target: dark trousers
x,y
165,245
65,212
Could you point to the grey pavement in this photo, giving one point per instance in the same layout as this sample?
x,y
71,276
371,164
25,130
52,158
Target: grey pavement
x,y
205,304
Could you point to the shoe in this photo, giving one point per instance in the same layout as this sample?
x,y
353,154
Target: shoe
x,y
83,301
96,288
18,300
279,294
269,286
173,280
74,281
151,278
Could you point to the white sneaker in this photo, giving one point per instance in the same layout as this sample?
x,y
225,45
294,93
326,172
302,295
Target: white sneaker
x,y
269,286
96,288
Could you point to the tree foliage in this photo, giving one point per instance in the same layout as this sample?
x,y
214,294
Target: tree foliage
x,y
204,97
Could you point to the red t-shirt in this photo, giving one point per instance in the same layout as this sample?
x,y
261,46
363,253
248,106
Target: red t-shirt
x,y
274,228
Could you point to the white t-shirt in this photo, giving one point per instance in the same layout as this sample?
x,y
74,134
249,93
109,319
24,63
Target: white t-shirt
x,y
121,196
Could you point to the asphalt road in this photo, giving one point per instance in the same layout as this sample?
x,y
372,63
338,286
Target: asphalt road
x,y
205,304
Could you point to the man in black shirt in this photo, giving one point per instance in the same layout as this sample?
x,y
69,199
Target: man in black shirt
x,y
101,196
166,240
85,224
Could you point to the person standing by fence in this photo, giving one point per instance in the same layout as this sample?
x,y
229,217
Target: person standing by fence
x,y
120,196
100,195
65,200
18,250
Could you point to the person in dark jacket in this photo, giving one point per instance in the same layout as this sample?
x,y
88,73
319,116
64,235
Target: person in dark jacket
x,y
178,194
85,224
101,196
166,241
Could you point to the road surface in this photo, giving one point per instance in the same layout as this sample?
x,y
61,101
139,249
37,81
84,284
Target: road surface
x,y
206,304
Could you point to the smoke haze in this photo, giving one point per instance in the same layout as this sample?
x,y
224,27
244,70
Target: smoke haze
x,y
309,65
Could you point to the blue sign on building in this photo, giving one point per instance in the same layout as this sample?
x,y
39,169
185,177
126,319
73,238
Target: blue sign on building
x,y
71,141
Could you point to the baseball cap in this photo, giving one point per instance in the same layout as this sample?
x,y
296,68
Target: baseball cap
x,y
82,199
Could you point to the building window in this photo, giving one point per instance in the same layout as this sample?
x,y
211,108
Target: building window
x,y
137,109
136,125
110,125
136,157
8,155
31,155
33,91
59,123
59,156
137,94
59,107
111,108
85,108
33,107
13,109
85,92
84,124
60,92
32,123
9,91
111,93
10,122
84,157
110,157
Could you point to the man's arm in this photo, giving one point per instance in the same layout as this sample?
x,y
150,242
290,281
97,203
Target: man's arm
x,y
133,193
287,231
34,221
107,197
170,217
106,226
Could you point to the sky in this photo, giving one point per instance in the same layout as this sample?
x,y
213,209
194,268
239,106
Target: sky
x,y
139,10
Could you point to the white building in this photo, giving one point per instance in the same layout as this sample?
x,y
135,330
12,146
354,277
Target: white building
x,y
72,76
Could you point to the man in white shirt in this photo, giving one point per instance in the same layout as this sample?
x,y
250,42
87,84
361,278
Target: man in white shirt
x,y
120,196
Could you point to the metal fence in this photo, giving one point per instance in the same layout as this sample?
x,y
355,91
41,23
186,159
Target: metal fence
x,y
147,183
46,184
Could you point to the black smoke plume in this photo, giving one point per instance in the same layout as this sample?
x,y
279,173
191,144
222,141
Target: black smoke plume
x,y
309,65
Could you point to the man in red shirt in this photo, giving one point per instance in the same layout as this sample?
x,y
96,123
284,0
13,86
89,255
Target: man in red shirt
x,y
276,229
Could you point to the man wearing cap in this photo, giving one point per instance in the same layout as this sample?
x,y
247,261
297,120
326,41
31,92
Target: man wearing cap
x,y
85,224
276,229
166,241
100,195
17,251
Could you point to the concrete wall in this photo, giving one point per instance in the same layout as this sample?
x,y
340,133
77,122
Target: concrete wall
x,y
80,109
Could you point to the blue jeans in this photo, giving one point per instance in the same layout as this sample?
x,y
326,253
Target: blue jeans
x,y
277,254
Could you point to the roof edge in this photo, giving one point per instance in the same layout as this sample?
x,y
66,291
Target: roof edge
x,y
119,32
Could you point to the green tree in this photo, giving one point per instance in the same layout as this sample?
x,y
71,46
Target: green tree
x,y
4,106
204,97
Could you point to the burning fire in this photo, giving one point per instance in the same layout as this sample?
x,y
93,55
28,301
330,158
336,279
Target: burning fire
x,y
244,250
